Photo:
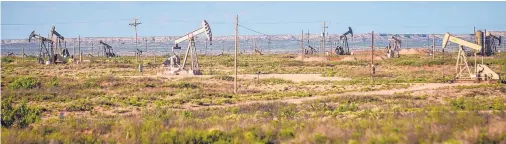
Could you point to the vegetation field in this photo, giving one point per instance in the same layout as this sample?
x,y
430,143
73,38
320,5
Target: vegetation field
x,y
105,100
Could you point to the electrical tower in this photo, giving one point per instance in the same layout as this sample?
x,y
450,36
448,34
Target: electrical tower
x,y
135,24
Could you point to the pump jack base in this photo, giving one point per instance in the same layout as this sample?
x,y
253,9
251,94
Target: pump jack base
x,y
179,71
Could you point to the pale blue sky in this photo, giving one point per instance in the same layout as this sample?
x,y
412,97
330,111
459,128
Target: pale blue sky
x,y
110,19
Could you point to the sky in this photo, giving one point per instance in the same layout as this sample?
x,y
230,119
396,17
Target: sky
x,y
111,19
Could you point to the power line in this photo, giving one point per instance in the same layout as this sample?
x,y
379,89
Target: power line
x,y
293,39
281,22
59,23
253,30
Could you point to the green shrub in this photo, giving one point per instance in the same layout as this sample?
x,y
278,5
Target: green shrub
x,y
329,74
224,77
458,103
7,60
80,105
348,107
320,139
498,104
186,114
286,133
53,82
134,101
20,116
24,82
91,84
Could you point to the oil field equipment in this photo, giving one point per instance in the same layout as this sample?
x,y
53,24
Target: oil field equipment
x,y
492,42
394,46
481,72
138,54
487,41
44,54
309,50
172,64
108,51
344,49
58,52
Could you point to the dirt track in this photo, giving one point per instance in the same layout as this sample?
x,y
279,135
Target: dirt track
x,y
292,77
416,87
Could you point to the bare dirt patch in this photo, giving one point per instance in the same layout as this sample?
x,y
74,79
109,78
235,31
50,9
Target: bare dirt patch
x,y
294,77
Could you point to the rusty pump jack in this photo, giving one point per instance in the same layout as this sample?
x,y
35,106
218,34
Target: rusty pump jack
x,y
394,46
492,42
481,72
108,51
344,49
172,64
44,54
58,52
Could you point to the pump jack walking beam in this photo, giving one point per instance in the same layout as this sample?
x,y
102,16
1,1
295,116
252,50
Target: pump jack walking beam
x,y
108,51
44,51
344,49
394,46
481,72
191,49
57,50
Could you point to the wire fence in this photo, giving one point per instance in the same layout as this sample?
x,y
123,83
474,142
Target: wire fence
x,y
267,44
247,45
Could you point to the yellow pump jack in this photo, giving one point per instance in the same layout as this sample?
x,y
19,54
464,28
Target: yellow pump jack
x,y
481,72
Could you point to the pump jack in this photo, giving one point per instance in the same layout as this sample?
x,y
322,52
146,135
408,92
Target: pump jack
x,y
481,72
172,62
58,52
492,42
394,46
44,54
108,51
344,49
138,54
310,50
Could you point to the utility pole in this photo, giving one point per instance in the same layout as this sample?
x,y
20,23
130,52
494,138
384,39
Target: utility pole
x,y
146,48
484,49
135,24
74,49
474,33
407,39
91,48
80,53
433,45
323,36
372,57
23,52
302,44
154,57
222,47
235,54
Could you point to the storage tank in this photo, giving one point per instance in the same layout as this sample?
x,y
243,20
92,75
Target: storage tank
x,y
478,37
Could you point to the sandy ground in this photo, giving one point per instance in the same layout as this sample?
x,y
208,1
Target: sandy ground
x,y
294,77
